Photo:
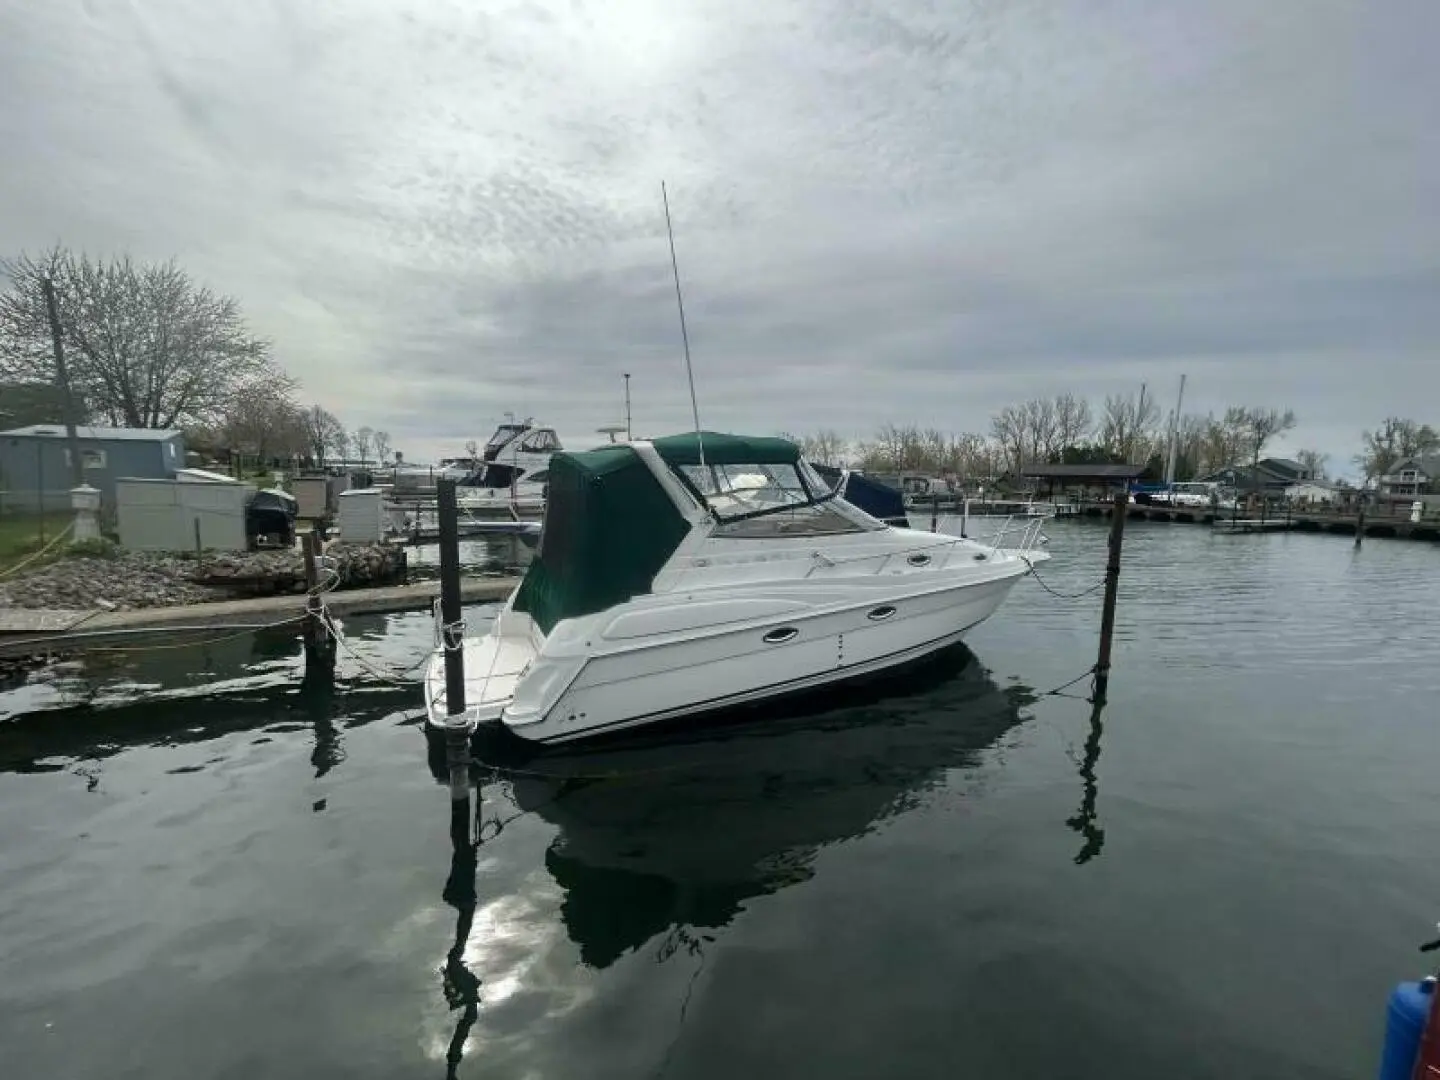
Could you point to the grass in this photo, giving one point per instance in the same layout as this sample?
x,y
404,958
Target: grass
x,y
20,537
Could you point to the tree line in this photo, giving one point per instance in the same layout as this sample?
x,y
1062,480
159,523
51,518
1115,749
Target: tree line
x,y
147,346
1065,429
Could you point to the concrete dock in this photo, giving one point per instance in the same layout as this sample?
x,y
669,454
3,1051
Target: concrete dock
x,y
26,633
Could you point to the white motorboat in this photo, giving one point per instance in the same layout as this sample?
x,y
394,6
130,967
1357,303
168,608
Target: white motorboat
x,y
511,480
523,500
701,571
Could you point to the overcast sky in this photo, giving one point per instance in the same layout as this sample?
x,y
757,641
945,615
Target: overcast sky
x,y
910,211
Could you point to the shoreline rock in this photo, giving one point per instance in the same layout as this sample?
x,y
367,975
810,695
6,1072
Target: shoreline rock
x,y
135,580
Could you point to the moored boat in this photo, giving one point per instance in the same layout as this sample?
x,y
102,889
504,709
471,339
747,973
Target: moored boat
x,y
700,571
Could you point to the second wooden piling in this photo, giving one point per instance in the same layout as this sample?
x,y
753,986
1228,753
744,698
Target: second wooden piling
x,y
1112,584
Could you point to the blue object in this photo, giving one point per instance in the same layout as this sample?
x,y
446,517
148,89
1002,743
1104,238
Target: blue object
x,y
876,499
1404,1025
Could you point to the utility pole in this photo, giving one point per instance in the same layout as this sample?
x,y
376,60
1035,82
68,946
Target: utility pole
x,y
62,376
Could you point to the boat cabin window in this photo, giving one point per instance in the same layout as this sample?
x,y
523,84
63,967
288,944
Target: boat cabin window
x,y
540,441
773,500
503,434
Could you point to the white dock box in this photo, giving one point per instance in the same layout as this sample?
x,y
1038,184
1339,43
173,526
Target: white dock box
x,y
160,515
362,516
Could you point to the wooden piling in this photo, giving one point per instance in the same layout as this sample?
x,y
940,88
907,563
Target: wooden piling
x,y
935,513
1360,524
452,638
319,643
1112,583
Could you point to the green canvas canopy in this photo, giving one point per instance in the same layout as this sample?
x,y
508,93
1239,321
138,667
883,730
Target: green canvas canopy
x,y
609,528
721,449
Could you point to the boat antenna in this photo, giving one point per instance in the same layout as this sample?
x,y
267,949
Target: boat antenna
x,y
629,431
684,334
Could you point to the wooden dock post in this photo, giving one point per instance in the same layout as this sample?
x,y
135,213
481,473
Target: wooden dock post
x,y
319,643
934,513
1112,583
452,639
1360,524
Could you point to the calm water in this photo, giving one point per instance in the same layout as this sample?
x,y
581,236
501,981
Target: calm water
x,y
1221,878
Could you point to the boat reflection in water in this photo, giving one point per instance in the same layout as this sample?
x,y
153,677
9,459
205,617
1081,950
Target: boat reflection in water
x,y
669,835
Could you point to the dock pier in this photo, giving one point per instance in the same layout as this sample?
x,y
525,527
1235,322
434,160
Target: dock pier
x,y
1340,523
30,633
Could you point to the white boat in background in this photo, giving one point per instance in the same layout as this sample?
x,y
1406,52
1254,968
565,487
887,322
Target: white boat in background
x,y
511,480
701,571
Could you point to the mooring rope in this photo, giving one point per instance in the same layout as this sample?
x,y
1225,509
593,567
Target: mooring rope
x,y
27,561
404,677
1059,691
1053,592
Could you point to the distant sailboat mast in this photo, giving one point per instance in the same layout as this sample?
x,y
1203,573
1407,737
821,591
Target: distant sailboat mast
x,y
1174,437
684,334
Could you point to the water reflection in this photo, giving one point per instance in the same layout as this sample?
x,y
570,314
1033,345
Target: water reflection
x,y
481,554
459,984
1085,821
67,737
673,837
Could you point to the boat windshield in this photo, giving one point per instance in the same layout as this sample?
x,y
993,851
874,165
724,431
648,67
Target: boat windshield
x,y
772,499
503,434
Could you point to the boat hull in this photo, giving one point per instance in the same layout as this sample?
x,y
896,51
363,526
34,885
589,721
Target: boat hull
x,y
620,687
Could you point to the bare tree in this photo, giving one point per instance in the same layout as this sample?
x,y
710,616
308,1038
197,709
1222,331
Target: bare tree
x,y
148,347
1259,426
1223,441
472,449
1039,426
362,440
263,421
1393,441
1314,462
1127,426
324,433
1011,430
897,448
1073,421
382,445
970,457
824,447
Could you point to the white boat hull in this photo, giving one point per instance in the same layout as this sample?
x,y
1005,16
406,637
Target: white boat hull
x,y
840,633
668,682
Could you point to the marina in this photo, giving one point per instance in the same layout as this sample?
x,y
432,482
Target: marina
x,y
712,541
958,836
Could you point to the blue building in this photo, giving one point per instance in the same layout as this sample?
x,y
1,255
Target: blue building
x,y
35,462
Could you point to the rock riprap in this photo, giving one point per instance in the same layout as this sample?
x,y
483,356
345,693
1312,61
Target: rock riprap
x,y
134,580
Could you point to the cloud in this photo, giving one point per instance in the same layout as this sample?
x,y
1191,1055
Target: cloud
x,y
883,213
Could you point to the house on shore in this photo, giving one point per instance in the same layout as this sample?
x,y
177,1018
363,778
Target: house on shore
x,y
1316,493
1412,477
35,470
1271,476
1090,481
